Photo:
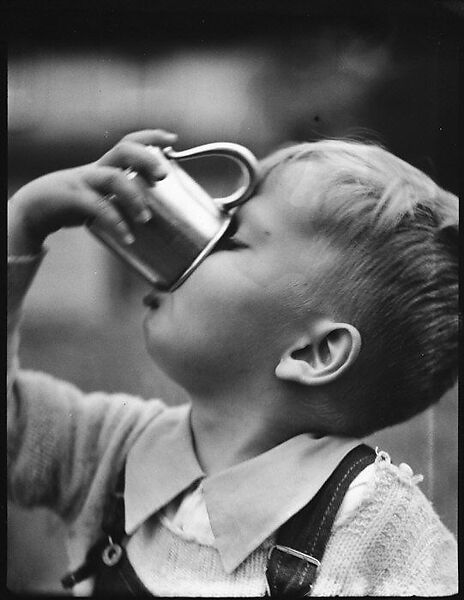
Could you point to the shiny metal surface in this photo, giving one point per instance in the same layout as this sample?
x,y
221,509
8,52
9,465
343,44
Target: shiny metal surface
x,y
241,155
186,222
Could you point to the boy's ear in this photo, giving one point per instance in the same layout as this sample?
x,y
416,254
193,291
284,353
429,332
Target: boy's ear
x,y
322,355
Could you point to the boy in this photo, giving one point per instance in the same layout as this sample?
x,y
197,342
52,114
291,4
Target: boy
x,y
330,313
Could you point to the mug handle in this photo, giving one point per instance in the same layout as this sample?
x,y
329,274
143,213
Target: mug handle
x,y
241,155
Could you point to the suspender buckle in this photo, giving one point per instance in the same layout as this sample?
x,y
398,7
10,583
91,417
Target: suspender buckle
x,y
295,553
111,555
287,571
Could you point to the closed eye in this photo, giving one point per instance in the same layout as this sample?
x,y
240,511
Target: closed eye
x,y
230,240
227,243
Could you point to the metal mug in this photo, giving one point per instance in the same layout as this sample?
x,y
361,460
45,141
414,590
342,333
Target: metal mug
x,y
186,221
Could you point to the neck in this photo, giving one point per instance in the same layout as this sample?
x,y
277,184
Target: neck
x,y
229,428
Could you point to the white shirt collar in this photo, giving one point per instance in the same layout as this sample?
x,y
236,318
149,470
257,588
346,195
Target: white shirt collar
x,y
247,502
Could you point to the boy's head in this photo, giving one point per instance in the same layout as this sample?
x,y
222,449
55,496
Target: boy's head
x,y
345,292
395,278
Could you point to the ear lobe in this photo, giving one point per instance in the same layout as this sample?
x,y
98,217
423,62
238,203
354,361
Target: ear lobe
x,y
322,356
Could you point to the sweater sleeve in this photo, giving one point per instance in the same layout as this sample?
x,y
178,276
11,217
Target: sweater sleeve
x,y
394,544
417,552
62,443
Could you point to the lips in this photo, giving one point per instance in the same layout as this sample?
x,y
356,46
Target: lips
x,y
152,300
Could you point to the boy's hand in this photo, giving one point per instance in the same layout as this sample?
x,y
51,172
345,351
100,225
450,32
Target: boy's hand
x,y
100,191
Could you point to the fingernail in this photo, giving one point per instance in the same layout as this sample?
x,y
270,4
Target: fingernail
x,y
129,239
144,216
160,173
130,174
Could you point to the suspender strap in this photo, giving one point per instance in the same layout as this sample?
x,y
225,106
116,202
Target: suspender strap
x,y
108,545
301,541
113,516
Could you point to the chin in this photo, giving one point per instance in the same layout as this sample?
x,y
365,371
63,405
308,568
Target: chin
x,y
182,369
163,354
157,332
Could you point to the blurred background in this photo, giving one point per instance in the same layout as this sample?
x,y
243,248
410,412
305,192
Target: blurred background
x,y
257,73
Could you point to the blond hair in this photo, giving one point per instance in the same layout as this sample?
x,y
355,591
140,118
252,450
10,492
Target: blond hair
x,y
395,278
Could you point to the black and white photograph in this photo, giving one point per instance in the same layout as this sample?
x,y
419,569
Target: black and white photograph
x,y
232,298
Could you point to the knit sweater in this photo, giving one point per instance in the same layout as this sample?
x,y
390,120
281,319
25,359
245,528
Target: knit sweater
x,y
65,449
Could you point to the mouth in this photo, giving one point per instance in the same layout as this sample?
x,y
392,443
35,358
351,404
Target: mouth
x,y
153,299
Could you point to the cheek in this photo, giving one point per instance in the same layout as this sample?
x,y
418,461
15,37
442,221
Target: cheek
x,y
226,308
256,312
218,310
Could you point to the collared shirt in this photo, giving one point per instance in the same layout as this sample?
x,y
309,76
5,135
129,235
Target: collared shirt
x,y
245,503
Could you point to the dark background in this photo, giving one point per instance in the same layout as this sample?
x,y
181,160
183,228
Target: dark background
x,y
259,73
407,99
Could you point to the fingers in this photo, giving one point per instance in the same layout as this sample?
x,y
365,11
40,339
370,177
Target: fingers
x,y
118,203
152,137
132,155
109,219
121,199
